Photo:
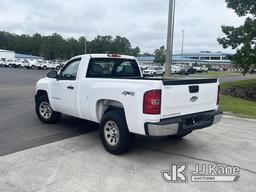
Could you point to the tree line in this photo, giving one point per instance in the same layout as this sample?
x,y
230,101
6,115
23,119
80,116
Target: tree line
x,y
57,47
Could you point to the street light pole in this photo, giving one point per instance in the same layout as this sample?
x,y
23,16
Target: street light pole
x,y
85,45
182,46
170,32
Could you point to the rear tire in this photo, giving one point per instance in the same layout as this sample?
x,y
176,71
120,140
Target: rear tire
x,y
114,132
44,111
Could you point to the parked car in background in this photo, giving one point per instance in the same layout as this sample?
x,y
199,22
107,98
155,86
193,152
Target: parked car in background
x,y
215,68
176,69
60,62
201,68
154,71
25,64
47,64
10,63
204,68
187,70
3,63
143,67
18,64
33,64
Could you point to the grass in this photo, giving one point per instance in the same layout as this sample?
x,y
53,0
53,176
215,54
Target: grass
x,y
242,83
238,107
216,73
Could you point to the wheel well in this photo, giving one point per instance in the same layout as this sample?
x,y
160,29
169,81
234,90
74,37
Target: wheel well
x,y
40,93
104,105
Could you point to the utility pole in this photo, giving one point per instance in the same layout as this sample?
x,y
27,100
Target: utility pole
x,y
85,45
182,46
170,32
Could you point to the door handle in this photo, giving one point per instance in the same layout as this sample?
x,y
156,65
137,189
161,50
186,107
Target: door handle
x,y
70,87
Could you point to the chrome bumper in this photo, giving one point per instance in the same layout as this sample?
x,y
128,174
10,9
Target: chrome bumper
x,y
179,125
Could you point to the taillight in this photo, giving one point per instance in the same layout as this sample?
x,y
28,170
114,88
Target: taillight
x,y
218,96
152,102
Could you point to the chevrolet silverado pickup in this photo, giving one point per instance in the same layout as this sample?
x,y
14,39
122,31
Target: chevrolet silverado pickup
x,y
110,89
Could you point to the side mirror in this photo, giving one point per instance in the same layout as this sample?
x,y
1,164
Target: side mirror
x,y
52,75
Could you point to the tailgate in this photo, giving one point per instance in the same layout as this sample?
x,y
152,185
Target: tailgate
x,y
183,97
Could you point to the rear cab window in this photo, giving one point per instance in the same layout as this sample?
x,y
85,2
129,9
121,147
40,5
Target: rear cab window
x,y
113,68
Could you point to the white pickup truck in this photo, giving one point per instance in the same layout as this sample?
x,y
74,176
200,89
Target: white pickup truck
x,y
109,89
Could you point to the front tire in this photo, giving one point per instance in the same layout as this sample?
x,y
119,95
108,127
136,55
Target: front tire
x,y
44,111
114,132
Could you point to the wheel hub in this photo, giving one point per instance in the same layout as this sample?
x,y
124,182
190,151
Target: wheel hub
x,y
111,133
45,110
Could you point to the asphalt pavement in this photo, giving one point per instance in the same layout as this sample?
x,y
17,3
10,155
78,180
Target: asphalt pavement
x,y
19,127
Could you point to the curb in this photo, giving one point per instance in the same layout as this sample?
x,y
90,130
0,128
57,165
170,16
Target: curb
x,y
227,115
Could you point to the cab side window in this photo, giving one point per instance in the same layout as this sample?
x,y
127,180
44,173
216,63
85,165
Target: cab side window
x,y
69,72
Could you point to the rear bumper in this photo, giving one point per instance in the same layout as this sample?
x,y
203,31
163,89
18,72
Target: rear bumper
x,y
183,124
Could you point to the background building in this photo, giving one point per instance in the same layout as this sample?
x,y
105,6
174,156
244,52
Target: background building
x,y
27,57
7,55
11,55
204,58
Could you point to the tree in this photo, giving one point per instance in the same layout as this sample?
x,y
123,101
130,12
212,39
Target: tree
x,y
56,47
242,38
160,55
135,52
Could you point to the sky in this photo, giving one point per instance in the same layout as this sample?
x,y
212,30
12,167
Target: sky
x,y
143,22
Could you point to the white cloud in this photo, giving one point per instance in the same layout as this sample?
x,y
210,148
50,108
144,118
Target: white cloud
x,y
143,22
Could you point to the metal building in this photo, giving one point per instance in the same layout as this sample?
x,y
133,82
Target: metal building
x,y
204,57
27,57
7,55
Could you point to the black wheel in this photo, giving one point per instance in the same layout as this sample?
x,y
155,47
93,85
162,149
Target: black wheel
x,y
114,132
44,111
58,67
44,68
154,74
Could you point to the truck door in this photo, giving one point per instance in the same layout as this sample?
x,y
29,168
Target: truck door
x,y
64,89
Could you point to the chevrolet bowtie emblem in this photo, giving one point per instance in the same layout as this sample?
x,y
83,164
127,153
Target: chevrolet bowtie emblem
x,y
193,99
